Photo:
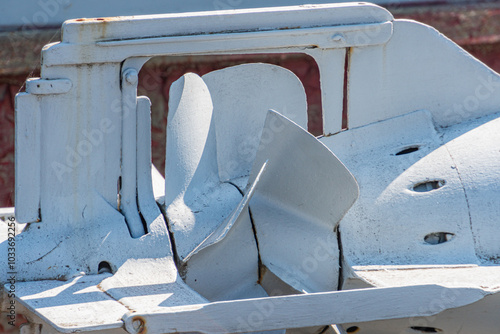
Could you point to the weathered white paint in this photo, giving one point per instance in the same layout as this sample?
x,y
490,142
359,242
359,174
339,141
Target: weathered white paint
x,y
331,65
305,16
299,310
48,87
302,195
197,202
474,148
417,69
423,215
145,195
241,96
391,218
80,303
28,139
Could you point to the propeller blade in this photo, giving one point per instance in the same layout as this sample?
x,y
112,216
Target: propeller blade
x,y
222,231
241,97
191,159
298,202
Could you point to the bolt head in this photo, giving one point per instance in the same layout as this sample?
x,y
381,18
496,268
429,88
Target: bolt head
x,y
131,76
138,324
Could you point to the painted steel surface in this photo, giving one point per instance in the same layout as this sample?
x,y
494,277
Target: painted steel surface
x,y
253,206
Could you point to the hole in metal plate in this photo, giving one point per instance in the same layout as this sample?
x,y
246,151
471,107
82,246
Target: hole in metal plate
x,y
426,186
436,238
421,329
408,150
104,267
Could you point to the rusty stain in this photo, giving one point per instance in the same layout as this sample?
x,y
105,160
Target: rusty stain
x,y
142,329
100,19
117,300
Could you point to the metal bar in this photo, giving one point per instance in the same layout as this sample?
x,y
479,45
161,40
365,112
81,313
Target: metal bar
x,y
288,40
296,311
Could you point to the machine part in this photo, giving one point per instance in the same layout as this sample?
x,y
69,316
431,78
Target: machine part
x,y
421,140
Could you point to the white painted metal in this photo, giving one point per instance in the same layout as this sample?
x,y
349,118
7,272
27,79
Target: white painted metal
x,y
389,208
422,141
425,63
48,87
202,23
28,139
296,212
474,148
196,202
223,229
239,116
299,310
6,213
81,305
331,64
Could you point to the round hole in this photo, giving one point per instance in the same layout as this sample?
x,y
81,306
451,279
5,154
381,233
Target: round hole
x,y
438,237
100,19
421,329
426,186
352,329
408,150
80,20
104,267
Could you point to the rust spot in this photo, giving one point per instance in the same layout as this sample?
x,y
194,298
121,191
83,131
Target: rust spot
x,y
139,324
99,19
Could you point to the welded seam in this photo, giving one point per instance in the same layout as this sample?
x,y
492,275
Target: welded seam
x,y
44,255
117,300
181,268
466,199
254,230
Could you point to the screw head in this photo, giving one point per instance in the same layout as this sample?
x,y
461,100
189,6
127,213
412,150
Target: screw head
x,y
131,76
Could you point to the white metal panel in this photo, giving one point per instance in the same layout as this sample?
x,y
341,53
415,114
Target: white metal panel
x,y
81,147
389,222
475,149
419,69
144,284
28,139
81,304
331,65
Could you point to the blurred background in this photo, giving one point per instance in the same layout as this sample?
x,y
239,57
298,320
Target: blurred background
x,y
26,26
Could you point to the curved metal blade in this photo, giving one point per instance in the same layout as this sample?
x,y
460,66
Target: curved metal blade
x,y
298,202
222,231
191,161
241,97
